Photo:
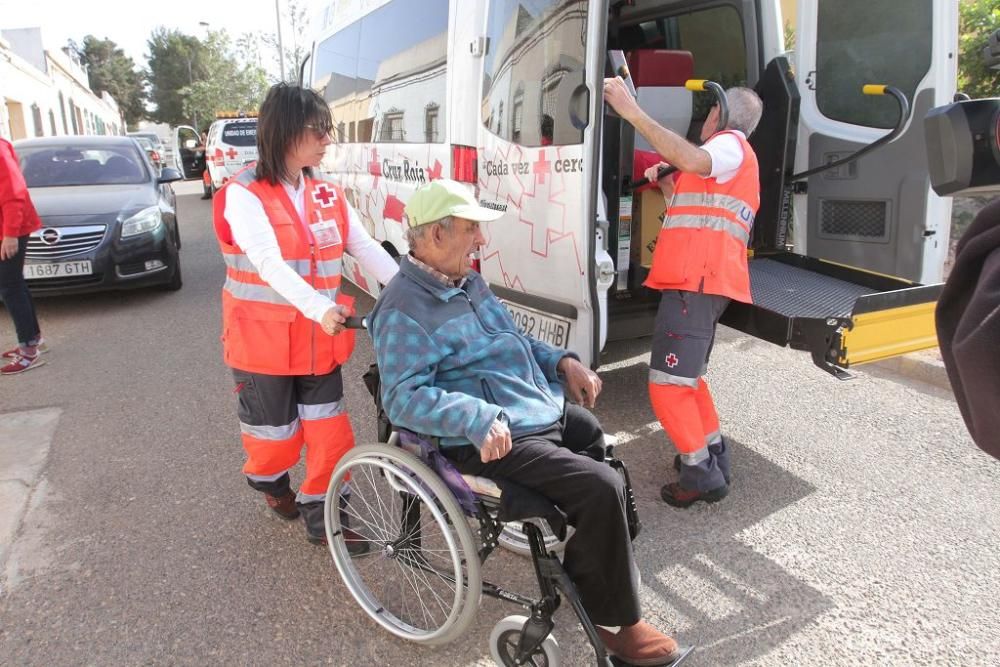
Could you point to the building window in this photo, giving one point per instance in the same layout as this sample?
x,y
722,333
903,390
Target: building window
x,y
52,122
431,124
62,110
36,118
392,127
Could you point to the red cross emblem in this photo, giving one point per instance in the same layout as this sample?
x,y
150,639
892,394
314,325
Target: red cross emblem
x,y
323,195
232,154
672,360
541,168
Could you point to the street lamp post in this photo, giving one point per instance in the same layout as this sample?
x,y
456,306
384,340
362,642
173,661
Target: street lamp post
x,y
281,49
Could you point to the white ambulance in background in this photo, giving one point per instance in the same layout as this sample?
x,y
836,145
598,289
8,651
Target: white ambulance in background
x,y
505,95
231,144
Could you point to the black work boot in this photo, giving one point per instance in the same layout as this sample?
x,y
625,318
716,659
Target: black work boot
x,y
316,527
676,495
278,495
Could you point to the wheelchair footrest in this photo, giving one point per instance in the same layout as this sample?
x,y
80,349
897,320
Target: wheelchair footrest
x,y
682,653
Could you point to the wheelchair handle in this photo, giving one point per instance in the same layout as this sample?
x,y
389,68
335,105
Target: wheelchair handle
x,y
356,322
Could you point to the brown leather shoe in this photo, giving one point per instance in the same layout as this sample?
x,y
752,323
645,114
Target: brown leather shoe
x,y
640,644
676,495
284,506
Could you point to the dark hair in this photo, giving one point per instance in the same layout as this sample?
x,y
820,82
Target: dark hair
x,y
286,110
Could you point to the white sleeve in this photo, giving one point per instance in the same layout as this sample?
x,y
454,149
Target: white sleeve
x,y
362,247
253,233
727,156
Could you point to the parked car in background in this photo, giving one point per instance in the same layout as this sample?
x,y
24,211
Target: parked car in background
x,y
154,156
108,221
153,138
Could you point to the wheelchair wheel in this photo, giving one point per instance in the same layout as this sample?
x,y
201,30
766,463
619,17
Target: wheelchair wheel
x,y
514,539
504,640
421,580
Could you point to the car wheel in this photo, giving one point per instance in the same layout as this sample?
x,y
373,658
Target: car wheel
x,y
176,281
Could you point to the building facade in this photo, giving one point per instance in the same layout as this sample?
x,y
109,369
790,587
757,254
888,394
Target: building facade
x,y
45,92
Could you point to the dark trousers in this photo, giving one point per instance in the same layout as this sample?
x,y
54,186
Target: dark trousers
x,y
555,463
16,297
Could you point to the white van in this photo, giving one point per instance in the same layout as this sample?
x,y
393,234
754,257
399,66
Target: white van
x,y
506,95
231,144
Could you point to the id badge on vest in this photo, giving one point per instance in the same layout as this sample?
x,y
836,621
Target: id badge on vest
x,y
326,233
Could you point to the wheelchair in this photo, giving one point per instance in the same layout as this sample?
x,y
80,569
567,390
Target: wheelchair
x,y
422,579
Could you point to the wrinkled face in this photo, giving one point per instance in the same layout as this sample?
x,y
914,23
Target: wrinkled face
x,y
453,248
309,149
708,129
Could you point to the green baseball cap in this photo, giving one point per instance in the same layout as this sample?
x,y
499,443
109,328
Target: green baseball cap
x,y
443,197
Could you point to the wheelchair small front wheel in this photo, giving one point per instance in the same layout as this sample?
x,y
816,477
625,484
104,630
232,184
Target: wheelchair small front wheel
x,y
506,636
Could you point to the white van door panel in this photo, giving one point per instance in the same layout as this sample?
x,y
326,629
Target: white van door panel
x,y
877,213
537,164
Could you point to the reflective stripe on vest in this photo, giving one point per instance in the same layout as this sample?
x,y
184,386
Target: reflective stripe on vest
x,y
329,268
734,205
716,223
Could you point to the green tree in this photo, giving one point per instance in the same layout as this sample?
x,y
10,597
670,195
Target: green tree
x,y
234,85
108,68
176,61
978,19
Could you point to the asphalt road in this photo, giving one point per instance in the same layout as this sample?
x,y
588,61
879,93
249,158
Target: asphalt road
x,y
861,527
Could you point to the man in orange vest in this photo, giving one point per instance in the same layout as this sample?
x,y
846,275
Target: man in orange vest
x,y
699,265
283,234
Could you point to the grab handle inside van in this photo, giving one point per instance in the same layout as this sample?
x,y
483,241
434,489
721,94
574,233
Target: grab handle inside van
x,y
904,114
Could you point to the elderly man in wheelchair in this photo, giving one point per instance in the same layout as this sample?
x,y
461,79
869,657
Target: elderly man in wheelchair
x,y
488,402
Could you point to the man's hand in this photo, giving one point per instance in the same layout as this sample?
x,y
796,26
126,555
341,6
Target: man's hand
x,y
617,95
582,384
666,185
333,319
8,248
497,443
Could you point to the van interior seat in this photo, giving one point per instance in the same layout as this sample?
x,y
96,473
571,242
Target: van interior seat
x,y
659,76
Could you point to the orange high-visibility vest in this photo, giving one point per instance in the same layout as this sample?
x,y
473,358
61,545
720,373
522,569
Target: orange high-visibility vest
x,y
261,331
702,245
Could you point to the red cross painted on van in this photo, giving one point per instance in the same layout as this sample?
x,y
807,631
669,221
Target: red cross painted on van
x,y
541,168
232,154
323,195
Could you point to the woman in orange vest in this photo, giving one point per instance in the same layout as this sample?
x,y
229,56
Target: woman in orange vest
x,y
699,265
283,234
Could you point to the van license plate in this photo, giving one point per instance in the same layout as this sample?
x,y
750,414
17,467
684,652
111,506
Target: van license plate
x,y
58,269
539,325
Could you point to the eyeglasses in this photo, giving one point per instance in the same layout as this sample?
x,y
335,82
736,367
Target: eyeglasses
x,y
319,131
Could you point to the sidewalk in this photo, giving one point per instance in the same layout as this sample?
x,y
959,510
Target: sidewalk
x,y
25,439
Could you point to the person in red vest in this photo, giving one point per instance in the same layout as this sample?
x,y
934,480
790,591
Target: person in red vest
x,y
18,219
699,265
283,234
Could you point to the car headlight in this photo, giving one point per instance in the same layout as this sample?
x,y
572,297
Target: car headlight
x,y
143,222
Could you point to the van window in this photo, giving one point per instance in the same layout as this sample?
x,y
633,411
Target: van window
x,y
859,42
240,133
534,63
713,36
382,73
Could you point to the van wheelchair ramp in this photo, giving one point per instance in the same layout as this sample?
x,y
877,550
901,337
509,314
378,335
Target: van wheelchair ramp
x,y
841,315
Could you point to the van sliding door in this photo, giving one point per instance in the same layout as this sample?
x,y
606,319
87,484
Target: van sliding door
x,y
537,163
